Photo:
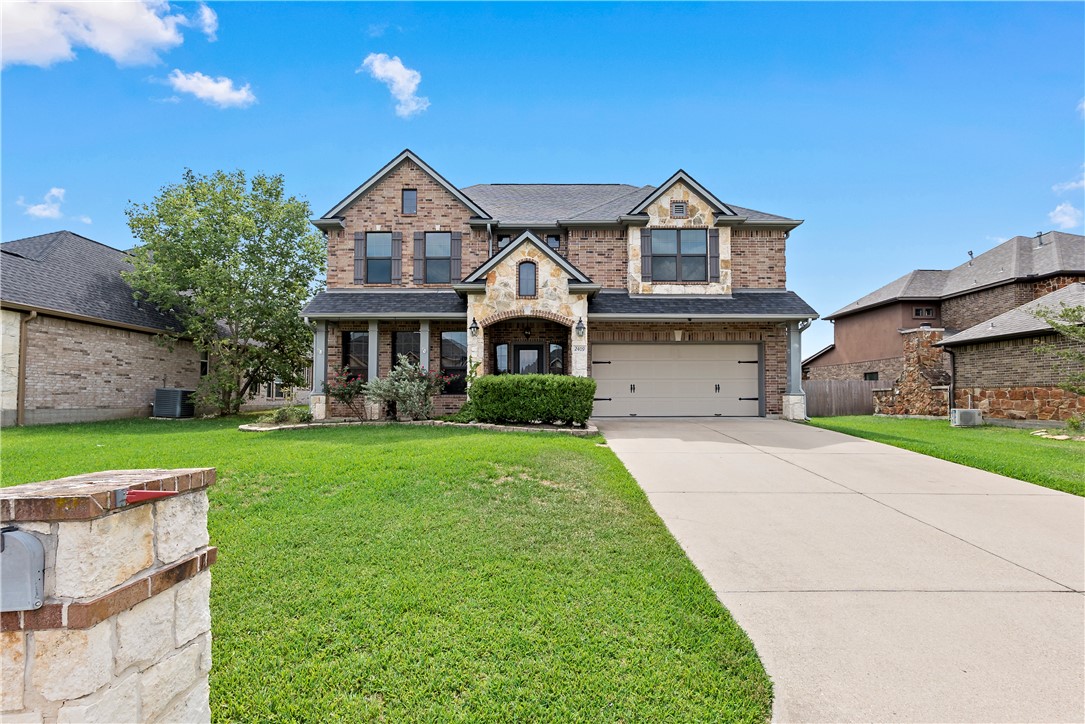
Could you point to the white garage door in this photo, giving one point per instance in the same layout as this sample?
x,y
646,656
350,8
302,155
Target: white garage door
x,y
676,380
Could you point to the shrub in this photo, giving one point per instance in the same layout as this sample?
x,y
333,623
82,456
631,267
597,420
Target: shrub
x,y
287,415
466,414
341,387
533,398
410,387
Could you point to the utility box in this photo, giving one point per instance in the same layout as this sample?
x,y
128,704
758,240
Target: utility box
x,y
170,402
965,418
22,571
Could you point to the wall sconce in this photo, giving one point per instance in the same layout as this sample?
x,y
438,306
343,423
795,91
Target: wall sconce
x,y
474,327
580,329
527,332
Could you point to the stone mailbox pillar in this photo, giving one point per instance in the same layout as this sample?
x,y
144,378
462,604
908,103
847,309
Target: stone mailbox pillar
x,y
123,633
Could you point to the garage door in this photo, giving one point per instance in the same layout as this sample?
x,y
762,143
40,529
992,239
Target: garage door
x,y
676,380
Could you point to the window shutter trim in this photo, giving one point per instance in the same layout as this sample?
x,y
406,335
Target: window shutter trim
x,y
457,255
646,255
359,257
419,257
713,255
397,257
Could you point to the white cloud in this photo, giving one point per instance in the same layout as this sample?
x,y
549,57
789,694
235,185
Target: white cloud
x,y
401,81
49,208
1078,183
1081,107
1065,215
216,91
208,21
85,219
376,30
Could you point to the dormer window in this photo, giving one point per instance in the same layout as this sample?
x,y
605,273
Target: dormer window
x,y
410,202
528,279
679,210
922,312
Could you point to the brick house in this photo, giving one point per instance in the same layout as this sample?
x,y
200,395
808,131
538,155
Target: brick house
x,y
76,345
674,301
893,334
997,368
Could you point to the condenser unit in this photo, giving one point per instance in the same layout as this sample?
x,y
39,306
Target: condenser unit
x,y
171,402
965,418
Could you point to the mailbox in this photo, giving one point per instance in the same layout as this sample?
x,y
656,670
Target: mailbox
x,y
22,571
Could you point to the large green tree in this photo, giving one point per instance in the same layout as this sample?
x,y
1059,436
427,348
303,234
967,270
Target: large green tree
x,y
234,260
1069,321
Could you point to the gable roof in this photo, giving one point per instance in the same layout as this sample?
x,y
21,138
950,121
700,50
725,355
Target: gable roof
x,y
1021,257
479,275
1022,320
718,206
407,154
73,275
545,204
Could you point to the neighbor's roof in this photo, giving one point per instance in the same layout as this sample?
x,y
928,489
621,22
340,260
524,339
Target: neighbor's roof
x,y
71,274
1021,321
740,305
1018,258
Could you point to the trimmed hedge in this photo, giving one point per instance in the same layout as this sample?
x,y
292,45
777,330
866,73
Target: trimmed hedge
x,y
532,398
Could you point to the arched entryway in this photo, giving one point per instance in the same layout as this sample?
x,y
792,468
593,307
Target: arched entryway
x,y
527,345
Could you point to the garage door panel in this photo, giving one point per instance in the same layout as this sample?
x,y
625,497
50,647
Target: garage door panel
x,y
676,379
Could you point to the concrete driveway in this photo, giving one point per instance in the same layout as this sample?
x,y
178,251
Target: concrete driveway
x,y
877,584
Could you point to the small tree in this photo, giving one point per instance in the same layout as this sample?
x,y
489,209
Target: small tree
x,y
233,261
349,390
1070,323
409,386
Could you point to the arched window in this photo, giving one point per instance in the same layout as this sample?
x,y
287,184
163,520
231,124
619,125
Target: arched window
x,y
528,279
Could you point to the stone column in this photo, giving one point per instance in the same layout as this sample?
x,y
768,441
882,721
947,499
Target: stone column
x,y
123,632
423,344
794,401
476,344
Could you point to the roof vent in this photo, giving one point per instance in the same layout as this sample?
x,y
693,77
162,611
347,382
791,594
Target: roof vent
x,y
969,258
1039,238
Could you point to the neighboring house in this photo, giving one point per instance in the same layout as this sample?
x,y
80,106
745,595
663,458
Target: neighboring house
x,y
674,301
891,335
999,370
76,344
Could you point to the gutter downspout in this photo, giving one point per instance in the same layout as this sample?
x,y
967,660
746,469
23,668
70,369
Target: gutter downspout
x,y
20,388
952,380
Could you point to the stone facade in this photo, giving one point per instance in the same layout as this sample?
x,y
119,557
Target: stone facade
x,y
922,387
124,631
77,371
887,369
1011,379
9,364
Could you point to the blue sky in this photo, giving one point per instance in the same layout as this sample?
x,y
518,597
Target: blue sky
x,y
905,134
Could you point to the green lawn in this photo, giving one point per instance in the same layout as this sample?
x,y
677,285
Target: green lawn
x,y
1057,464
409,573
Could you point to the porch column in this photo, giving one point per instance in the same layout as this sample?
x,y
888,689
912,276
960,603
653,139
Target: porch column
x,y
423,344
578,358
374,339
794,402
320,357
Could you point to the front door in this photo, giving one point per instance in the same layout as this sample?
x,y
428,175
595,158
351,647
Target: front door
x,y
529,359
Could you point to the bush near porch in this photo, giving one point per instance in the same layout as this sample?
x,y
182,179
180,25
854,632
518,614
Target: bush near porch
x,y
532,398
404,573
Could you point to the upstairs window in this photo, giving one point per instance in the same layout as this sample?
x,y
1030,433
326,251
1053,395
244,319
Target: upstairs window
x,y
378,259
503,241
679,255
356,354
923,313
679,210
438,257
410,202
553,241
528,273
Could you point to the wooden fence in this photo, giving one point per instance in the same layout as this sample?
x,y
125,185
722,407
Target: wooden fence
x,y
829,398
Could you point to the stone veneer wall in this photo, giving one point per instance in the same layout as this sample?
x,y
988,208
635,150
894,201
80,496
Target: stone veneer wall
x,y
771,335
1051,284
922,387
124,634
77,371
9,365
887,369
1010,379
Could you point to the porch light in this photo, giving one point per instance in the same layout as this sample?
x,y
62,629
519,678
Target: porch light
x,y
580,327
473,327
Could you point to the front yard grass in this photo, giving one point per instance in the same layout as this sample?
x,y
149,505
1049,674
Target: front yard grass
x,y
1056,464
408,573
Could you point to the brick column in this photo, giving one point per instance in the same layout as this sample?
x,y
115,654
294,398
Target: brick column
x,y
123,632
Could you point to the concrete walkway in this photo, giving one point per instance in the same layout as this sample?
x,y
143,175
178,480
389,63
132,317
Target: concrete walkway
x,y
877,584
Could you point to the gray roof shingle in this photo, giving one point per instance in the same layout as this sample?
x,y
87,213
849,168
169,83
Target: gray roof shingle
x,y
1016,258
741,304
1022,320
66,272
395,303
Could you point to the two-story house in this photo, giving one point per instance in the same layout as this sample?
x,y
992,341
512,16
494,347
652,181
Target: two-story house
x,y
674,301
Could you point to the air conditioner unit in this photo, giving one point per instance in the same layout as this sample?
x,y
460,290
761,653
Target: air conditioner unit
x,y
965,418
171,402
